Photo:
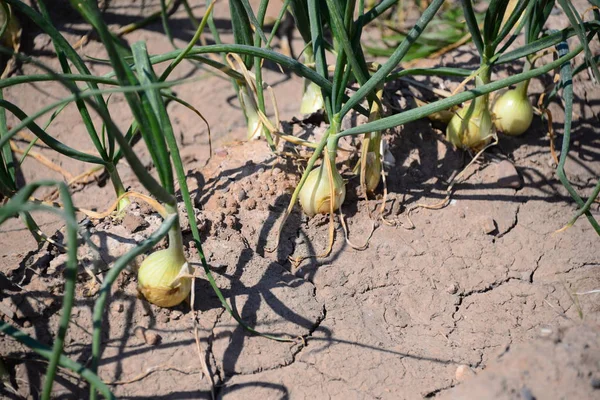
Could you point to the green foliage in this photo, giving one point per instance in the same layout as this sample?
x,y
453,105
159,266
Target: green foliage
x,y
333,31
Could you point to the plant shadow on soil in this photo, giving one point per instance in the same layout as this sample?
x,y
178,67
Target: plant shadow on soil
x,y
416,142
423,166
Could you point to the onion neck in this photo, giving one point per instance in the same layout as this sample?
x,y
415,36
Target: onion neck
x,y
333,139
522,87
115,178
175,235
482,102
308,55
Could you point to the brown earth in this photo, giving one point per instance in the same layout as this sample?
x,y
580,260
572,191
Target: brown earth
x,y
482,299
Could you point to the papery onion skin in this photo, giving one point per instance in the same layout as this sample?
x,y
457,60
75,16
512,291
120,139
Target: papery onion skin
x,y
312,99
12,33
157,278
315,195
255,126
513,113
373,171
474,134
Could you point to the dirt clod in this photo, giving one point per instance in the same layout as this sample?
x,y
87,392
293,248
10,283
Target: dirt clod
x,y
452,288
391,322
146,335
488,225
134,223
463,372
7,308
241,195
250,204
507,175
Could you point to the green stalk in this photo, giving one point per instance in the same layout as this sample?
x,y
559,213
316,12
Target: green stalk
x,y
258,73
586,207
63,361
379,9
17,80
120,190
424,111
567,84
543,43
316,33
394,59
33,227
69,294
62,53
523,87
434,71
19,204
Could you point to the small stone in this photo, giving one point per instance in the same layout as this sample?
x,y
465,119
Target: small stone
x,y
139,333
152,338
507,175
546,331
452,288
118,307
175,315
134,223
148,336
162,318
464,372
250,204
488,225
595,382
241,195
26,324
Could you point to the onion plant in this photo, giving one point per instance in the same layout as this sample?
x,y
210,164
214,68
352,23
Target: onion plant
x,y
164,277
329,26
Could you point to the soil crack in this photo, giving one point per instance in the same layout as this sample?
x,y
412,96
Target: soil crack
x,y
513,224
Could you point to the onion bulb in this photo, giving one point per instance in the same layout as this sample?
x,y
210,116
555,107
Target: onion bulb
x,y
472,126
164,278
513,112
315,195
